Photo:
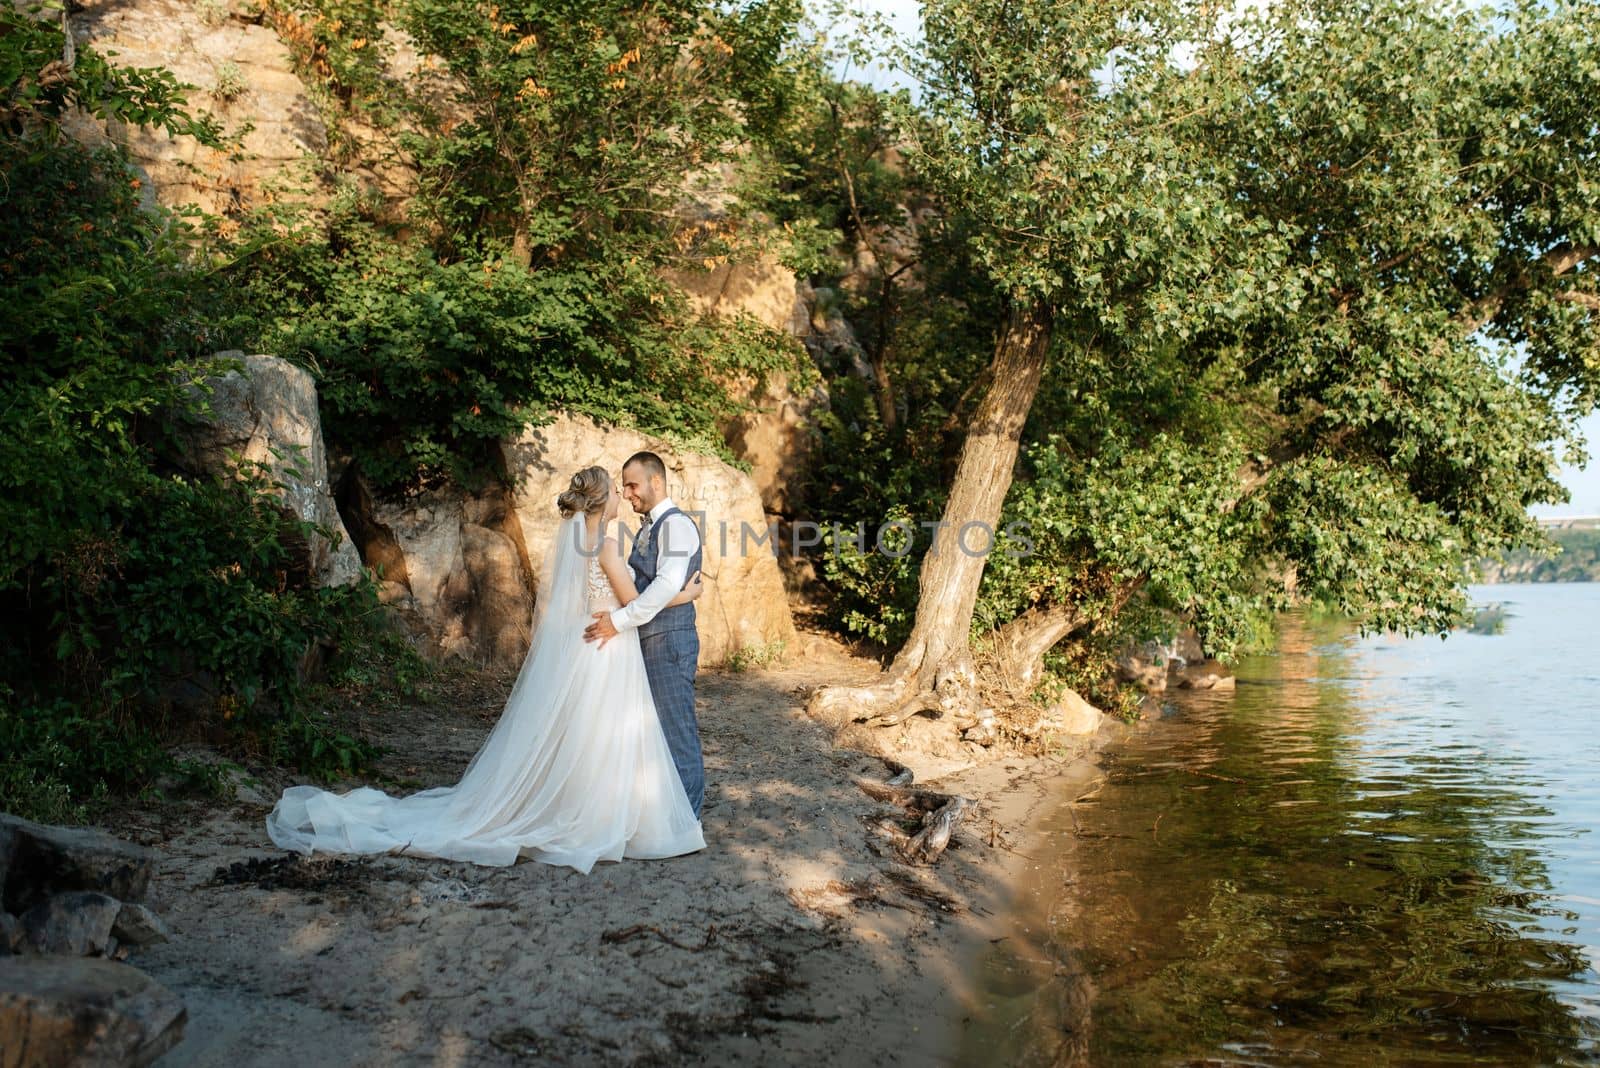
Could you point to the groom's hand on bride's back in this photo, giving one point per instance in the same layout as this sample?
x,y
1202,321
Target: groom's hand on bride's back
x,y
601,630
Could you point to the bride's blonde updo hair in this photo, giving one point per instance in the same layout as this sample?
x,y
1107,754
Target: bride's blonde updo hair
x,y
587,492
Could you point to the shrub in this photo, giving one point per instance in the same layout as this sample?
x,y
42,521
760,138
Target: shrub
x,y
139,603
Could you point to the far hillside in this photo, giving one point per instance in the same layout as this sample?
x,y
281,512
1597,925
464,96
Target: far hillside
x,y
1578,558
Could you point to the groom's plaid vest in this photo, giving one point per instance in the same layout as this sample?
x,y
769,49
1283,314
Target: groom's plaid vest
x,y
643,561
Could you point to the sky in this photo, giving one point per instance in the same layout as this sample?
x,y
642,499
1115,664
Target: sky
x,y
1583,483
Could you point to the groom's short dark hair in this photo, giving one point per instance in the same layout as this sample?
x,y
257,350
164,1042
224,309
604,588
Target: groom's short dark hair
x,y
650,462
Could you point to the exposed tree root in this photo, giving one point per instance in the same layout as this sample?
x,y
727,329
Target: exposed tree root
x,y
951,690
839,705
924,701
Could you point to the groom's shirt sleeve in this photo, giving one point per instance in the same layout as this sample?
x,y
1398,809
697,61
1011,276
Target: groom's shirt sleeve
x,y
674,546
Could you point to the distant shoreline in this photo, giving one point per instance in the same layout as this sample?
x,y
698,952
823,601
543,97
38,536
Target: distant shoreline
x,y
1578,560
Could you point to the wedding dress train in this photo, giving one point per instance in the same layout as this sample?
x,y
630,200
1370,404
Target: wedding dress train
x,y
576,771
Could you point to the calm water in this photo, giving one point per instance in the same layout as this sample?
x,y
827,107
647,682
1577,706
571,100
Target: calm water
x,y
1378,851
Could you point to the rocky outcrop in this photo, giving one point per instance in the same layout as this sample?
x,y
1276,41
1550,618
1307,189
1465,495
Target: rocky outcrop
x,y
452,565
775,435
761,288
70,901
268,415
38,861
1154,666
1145,666
743,606
828,335
461,569
243,74
1576,557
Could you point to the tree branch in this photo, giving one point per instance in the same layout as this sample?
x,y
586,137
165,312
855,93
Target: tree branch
x,y
1558,261
1577,296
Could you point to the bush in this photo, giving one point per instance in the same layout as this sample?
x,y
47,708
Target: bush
x,y
425,362
138,603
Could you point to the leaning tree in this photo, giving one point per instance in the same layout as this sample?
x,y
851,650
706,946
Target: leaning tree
x,y
1351,216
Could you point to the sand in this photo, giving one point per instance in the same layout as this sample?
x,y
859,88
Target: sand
x,y
795,937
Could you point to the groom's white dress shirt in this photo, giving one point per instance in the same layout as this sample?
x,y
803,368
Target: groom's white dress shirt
x,y
673,546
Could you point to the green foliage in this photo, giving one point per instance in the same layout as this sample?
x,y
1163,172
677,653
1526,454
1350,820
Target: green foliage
x,y
230,84
37,87
830,180
756,656
424,364
553,146
872,480
58,762
124,580
571,124
1317,217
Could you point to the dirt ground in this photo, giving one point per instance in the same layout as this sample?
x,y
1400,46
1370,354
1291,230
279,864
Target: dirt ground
x,y
795,937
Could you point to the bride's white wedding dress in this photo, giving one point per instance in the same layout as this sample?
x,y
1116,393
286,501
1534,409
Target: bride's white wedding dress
x,y
576,771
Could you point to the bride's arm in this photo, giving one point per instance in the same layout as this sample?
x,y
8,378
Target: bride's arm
x,y
620,576
616,570
691,590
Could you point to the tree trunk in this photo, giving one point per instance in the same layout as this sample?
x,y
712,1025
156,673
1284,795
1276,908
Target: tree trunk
x,y
1019,646
521,247
937,656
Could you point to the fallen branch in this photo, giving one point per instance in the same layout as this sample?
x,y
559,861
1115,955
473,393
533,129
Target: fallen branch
x,y
902,775
912,798
626,934
937,828
940,813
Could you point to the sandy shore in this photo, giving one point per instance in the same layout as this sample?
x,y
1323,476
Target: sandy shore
x,y
790,939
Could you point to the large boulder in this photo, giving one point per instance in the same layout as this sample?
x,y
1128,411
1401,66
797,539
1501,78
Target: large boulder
x,y
1071,714
74,924
452,566
84,1012
776,436
38,861
743,607
1206,675
460,569
138,926
268,415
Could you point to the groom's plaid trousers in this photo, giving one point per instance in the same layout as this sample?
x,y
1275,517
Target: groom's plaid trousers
x,y
671,648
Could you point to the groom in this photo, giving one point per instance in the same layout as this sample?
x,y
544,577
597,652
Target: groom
x,y
664,555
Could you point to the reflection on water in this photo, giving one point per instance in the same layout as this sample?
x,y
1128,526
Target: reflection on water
x,y
1376,851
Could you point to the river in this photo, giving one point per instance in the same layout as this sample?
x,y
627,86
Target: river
x,y
1376,851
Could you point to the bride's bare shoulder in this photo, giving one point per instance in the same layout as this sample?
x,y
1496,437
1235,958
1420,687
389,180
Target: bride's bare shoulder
x,y
611,542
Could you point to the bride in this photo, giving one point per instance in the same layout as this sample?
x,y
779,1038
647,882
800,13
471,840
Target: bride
x,y
576,771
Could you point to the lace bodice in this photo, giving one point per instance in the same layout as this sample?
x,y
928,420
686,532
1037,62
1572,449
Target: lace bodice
x,y
602,598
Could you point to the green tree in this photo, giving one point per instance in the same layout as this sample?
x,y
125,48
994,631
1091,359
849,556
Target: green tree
x,y
1324,220
573,129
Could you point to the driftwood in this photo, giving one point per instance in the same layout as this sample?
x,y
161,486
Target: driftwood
x,y
940,814
901,775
